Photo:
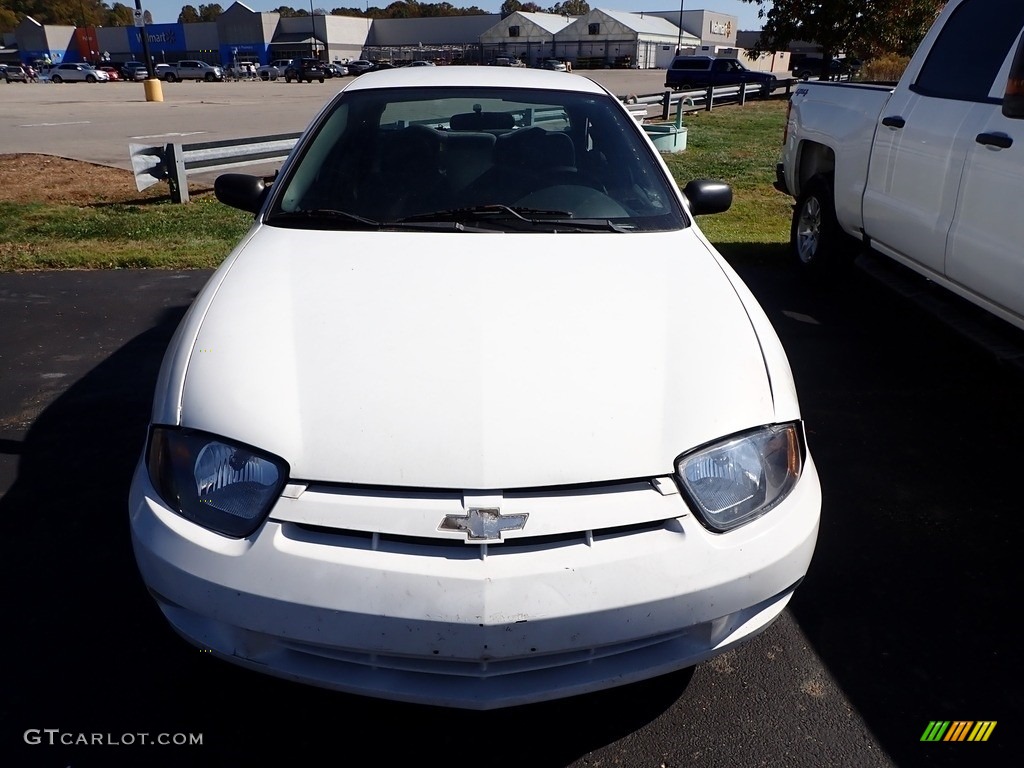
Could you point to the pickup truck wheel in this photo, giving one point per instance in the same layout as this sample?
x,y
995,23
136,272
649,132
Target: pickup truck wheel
x,y
816,239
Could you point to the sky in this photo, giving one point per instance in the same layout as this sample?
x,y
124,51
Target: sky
x,y
166,11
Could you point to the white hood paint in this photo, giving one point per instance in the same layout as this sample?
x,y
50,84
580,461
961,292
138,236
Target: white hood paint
x,y
474,361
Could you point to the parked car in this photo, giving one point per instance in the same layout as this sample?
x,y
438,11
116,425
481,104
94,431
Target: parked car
x,y
14,73
242,70
502,464
810,66
421,63
268,72
112,72
134,70
701,71
360,66
505,61
555,65
305,69
335,70
191,69
281,64
77,73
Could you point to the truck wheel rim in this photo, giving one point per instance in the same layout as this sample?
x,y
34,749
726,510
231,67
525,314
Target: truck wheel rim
x,y
808,231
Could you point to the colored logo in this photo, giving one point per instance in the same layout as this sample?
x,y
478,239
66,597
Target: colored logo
x,y
958,730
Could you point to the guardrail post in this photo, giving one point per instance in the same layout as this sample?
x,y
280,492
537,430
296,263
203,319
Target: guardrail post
x,y
666,100
178,176
743,94
709,97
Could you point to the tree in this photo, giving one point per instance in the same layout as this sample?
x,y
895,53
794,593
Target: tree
x,y
901,28
571,8
120,15
188,15
8,20
868,27
509,7
210,12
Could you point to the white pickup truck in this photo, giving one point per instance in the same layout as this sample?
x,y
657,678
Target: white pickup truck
x,y
929,172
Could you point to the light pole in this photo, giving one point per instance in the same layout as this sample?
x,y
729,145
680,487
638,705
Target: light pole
x,y
679,42
312,29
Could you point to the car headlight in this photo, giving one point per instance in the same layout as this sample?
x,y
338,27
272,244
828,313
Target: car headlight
x,y
739,479
220,485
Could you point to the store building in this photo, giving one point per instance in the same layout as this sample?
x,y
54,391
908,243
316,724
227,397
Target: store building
x,y
619,39
528,37
601,38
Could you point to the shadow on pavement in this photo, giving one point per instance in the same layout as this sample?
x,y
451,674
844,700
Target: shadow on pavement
x,y
917,437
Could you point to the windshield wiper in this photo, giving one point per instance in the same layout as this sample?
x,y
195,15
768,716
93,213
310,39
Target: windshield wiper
x,y
484,212
322,214
534,217
333,218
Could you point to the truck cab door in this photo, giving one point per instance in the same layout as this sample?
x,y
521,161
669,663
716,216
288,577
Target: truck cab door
x,y
985,251
926,129
913,177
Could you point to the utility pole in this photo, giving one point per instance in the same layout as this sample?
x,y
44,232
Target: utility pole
x,y
679,42
312,29
145,42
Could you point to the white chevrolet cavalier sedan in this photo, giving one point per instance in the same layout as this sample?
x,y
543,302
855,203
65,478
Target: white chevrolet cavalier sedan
x,y
474,415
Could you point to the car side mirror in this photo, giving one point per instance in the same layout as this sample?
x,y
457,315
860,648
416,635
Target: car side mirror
x,y
708,196
241,190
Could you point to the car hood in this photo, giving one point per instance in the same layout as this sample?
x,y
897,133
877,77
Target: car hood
x,y
471,360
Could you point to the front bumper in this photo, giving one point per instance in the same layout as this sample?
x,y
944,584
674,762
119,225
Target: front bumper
x,y
314,596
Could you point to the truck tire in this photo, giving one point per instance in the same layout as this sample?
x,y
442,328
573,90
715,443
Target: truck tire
x,y
816,240
169,77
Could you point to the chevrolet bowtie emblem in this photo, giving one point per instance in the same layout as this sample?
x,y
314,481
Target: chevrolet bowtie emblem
x,y
483,524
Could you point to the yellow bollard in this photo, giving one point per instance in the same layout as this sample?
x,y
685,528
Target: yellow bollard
x,y
154,89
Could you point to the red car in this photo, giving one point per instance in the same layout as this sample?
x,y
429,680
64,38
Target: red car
x,y
112,71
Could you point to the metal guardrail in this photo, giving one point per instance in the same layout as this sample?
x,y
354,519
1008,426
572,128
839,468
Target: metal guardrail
x,y
173,162
705,98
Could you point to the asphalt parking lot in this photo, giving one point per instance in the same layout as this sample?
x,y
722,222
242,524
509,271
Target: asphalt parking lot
x,y
96,122
904,618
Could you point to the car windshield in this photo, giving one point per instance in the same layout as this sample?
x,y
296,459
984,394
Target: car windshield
x,y
494,159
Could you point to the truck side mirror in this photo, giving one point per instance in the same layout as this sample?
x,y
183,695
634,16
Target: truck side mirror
x,y
1013,99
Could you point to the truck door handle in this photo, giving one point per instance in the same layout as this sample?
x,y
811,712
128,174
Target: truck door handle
x,y
894,121
1000,140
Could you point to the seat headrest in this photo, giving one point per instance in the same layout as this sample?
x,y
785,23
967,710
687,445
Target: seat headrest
x,y
481,121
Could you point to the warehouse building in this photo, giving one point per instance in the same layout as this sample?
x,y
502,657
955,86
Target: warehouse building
x,y
601,38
